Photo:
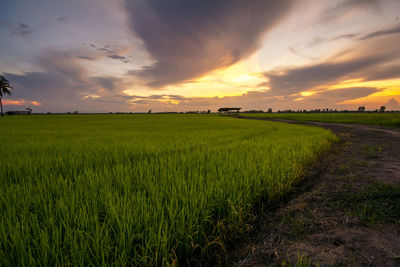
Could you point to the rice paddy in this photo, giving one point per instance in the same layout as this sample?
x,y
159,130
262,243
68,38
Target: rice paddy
x,y
386,119
140,190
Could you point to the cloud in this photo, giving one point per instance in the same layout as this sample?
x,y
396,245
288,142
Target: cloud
x,y
62,19
392,104
24,30
187,39
21,29
391,71
109,52
108,83
294,80
349,7
63,85
86,57
352,36
159,97
393,30
20,102
122,58
341,94
259,100
371,59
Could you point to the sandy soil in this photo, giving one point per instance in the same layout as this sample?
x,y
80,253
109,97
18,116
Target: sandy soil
x,y
310,228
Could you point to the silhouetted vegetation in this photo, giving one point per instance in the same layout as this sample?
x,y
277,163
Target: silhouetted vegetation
x,y
361,109
5,89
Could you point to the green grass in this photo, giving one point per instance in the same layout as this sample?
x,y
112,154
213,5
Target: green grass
x,y
387,119
375,204
139,189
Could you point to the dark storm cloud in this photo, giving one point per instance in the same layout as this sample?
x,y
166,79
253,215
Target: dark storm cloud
x,y
190,38
295,80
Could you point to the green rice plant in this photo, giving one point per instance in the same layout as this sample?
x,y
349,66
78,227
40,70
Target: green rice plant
x,y
139,190
387,119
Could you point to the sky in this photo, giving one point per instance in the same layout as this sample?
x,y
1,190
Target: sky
x,y
188,55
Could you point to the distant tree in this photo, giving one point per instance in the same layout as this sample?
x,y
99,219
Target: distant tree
x,y
149,111
382,109
361,109
269,110
5,89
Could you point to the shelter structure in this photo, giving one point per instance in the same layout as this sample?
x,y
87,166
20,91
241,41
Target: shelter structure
x,y
228,110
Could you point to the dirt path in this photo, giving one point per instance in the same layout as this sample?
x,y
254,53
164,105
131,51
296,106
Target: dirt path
x,y
346,213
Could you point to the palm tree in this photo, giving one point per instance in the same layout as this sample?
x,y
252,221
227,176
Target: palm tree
x,y
5,89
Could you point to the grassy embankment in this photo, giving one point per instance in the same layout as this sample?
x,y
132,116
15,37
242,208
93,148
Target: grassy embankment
x,y
139,189
387,119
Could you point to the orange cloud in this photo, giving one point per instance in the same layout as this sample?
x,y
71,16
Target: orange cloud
x,y
14,102
35,103
20,103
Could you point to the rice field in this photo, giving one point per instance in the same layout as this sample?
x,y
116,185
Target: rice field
x,y
140,190
386,119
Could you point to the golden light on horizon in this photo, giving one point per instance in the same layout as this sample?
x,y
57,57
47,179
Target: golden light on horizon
x,y
390,84
307,93
387,88
235,80
35,103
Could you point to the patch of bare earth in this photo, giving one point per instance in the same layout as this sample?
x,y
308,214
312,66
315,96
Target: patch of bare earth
x,y
317,225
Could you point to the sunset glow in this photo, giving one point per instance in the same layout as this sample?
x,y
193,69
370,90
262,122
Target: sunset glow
x,y
20,103
117,58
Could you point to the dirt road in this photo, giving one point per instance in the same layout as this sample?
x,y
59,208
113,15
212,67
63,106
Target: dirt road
x,y
346,213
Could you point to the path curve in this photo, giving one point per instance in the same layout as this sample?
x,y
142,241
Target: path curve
x,y
330,124
309,225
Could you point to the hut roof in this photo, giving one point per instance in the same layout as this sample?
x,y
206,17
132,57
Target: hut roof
x,y
228,109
